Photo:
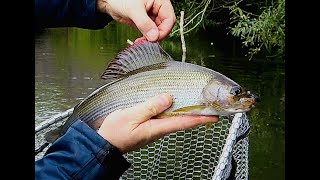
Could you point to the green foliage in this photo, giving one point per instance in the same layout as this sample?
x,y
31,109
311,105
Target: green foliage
x,y
261,31
198,14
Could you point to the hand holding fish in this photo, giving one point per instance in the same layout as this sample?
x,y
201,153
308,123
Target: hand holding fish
x,y
131,128
154,18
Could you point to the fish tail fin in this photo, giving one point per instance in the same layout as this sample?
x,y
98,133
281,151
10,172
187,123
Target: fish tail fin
x,y
53,135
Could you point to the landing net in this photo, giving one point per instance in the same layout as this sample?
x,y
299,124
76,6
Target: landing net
x,y
220,152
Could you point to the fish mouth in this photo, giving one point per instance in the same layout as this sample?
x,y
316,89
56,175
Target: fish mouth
x,y
253,96
250,100
256,98
244,104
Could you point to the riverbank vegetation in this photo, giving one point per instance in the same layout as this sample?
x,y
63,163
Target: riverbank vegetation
x,y
259,25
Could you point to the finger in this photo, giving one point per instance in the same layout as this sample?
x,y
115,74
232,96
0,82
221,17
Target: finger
x,y
140,38
167,18
130,23
157,21
145,24
165,28
161,127
152,107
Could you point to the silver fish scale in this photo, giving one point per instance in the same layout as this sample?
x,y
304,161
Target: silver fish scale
x,y
184,82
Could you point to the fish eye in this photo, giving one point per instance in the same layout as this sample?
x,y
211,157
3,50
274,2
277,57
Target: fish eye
x,y
235,90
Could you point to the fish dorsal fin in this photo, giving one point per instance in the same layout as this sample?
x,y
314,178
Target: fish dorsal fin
x,y
140,54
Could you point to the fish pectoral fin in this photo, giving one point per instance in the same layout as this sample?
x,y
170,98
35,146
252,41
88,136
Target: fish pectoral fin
x,y
165,115
190,109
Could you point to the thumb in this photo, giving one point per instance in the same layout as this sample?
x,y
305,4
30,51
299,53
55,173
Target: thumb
x,y
152,107
145,24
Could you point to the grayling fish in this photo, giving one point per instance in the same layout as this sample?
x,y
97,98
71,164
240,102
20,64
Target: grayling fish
x,y
144,70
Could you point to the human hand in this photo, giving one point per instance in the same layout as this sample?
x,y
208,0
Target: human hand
x,y
131,128
154,18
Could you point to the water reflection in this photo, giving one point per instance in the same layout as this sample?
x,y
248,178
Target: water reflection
x,y
69,62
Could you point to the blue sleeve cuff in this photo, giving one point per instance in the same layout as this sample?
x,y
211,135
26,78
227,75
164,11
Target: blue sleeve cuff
x,y
81,153
106,154
90,18
69,13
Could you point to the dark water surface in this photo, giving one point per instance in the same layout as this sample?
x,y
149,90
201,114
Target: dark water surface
x,y
69,62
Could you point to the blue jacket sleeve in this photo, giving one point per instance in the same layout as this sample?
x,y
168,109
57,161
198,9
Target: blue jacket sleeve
x,y
69,13
81,154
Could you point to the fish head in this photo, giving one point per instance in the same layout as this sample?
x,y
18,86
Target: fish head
x,y
227,97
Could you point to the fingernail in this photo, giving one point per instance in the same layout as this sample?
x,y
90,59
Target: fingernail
x,y
164,100
151,34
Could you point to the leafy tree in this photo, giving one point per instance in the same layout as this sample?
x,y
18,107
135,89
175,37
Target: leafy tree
x,y
266,30
261,27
